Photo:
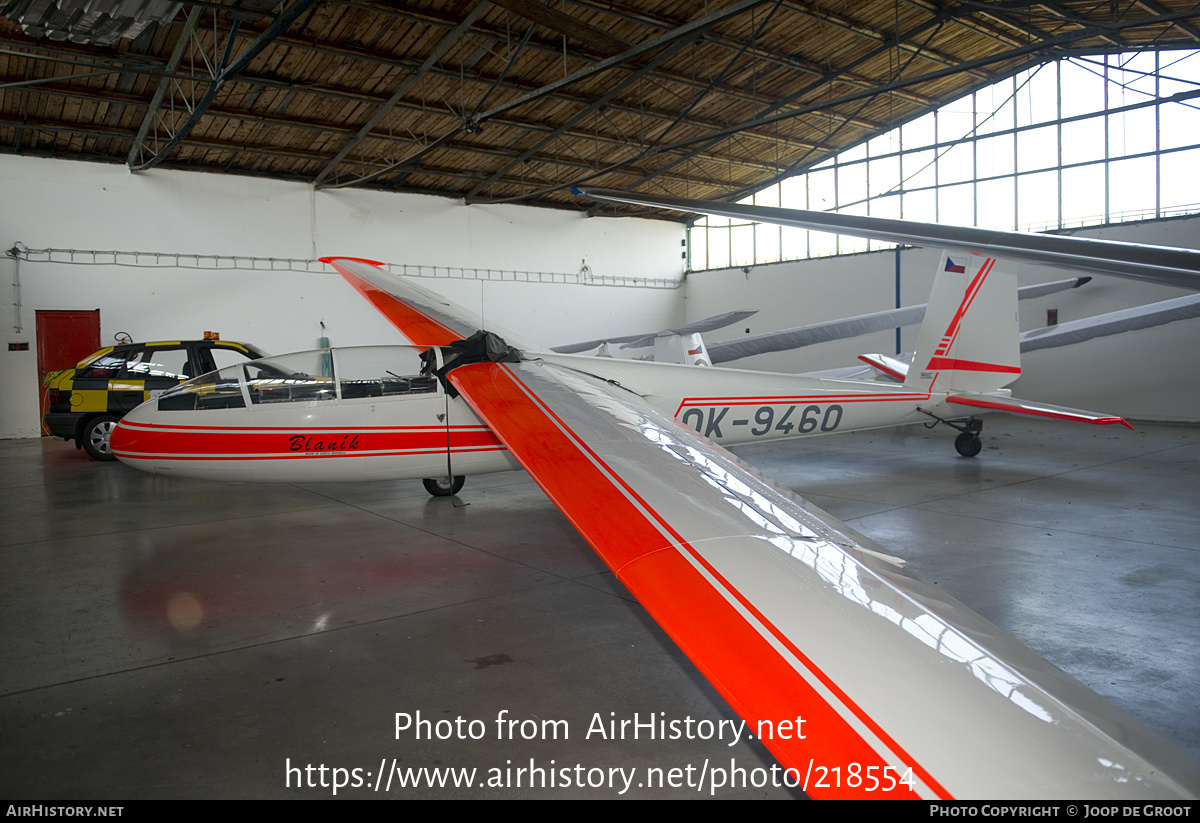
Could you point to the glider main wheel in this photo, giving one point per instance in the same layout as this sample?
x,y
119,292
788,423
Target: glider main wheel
x,y
444,486
968,444
96,436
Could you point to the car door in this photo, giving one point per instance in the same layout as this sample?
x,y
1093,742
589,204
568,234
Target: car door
x,y
148,372
90,387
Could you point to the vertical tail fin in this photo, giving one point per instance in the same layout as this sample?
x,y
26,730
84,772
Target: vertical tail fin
x,y
687,349
968,342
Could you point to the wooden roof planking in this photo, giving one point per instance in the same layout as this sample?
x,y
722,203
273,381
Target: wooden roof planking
x,y
517,100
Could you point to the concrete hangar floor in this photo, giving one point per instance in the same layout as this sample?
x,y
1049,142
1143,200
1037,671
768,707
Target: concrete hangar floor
x,y
179,638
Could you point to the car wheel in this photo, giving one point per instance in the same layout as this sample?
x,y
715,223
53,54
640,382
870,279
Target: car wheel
x,y
97,433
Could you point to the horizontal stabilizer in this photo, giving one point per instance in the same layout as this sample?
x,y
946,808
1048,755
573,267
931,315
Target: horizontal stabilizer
x,y
890,366
1012,405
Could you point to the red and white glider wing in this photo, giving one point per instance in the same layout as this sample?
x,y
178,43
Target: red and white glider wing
x,y
423,316
793,617
790,614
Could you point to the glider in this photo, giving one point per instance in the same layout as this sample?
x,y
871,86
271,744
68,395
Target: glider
x,y
903,691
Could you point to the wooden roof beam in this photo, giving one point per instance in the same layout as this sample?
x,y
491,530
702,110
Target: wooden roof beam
x,y
474,13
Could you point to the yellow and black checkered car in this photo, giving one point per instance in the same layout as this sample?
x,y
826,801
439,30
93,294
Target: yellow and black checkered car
x,y
84,403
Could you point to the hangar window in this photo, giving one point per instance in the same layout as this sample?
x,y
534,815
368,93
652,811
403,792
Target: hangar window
x,y
1081,141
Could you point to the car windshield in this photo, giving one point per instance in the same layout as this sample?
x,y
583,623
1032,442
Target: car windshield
x,y
311,376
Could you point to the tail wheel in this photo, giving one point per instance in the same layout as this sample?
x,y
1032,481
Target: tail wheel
x,y
97,434
968,444
444,486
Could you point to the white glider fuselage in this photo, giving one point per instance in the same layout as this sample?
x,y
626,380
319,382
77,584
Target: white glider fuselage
x,y
378,412
292,427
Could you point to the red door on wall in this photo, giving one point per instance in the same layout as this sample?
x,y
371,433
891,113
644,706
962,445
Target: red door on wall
x,y
63,339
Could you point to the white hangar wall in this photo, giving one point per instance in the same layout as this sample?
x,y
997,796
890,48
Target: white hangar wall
x,y
1148,374
61,204
74,205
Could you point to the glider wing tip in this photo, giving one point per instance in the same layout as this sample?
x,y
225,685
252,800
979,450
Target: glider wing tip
x,y
330,260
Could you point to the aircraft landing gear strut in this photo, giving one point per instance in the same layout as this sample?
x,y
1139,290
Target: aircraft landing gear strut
x,y
967,443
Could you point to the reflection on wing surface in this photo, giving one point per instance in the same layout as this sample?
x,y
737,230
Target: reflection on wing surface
x,y
790,613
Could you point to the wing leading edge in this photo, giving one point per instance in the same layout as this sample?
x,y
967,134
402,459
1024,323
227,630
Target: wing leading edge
x,y
1157,264
423,316
790,614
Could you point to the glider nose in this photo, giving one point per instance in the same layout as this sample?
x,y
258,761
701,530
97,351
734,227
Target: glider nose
x,y
123,439
130,443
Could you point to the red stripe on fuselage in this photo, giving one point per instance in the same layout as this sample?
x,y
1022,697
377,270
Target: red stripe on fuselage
x,y
736,654
142,440
701,402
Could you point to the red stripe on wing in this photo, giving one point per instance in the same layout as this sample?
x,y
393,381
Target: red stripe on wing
x,y
661,569
417,326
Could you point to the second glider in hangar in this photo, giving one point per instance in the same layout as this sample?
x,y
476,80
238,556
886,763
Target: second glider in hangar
x,y
904,691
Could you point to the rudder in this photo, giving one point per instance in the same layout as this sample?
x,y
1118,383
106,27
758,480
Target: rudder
x,y
969,339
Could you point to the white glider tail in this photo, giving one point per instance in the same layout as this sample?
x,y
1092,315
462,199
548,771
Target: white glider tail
x,y
968,342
